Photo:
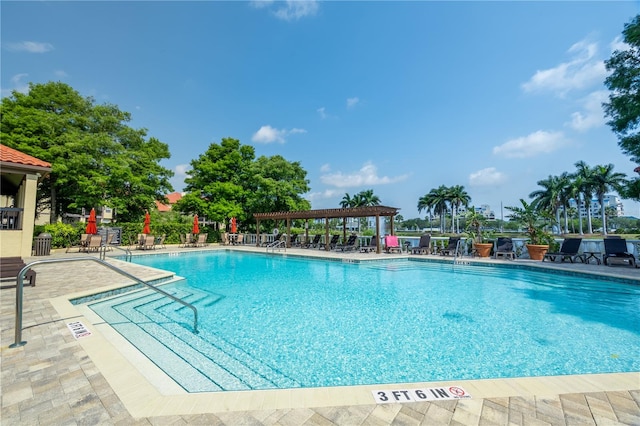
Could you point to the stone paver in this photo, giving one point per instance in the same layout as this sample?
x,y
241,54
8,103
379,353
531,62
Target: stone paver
x,y
52,381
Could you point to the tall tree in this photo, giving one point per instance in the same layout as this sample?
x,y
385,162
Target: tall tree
x,y
549,197
604,180
623,107
457,196
227,181
584,174
96,158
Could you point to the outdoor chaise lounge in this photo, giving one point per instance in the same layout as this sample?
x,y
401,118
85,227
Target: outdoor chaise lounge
x,y
568,250
312,243
372,246
332,244
391,244
504,248
451,247
616,249
351,244
424,246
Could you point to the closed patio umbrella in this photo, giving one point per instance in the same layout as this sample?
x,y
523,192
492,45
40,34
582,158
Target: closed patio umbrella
x,y
91,223
234,228
147,222
196,229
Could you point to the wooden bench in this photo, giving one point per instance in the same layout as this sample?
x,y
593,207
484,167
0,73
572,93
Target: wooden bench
x,y
9,269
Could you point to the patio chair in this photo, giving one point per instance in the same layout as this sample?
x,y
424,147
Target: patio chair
x,y
391,244
313,243
149,243
95,242
372,246
452,246
351,244
424,246
239,240
568,250
504,248
201,241
80,245
616,249
332,244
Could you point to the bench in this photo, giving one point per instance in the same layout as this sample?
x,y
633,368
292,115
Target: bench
x,y
9,269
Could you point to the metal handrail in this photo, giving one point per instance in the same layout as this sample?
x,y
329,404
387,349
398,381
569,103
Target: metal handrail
x,y
20,283
277,245
103,252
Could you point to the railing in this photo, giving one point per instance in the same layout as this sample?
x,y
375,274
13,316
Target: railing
x,y
20,283
11,218
277,245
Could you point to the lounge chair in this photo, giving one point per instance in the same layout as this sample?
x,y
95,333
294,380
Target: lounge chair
x,y
372,246
201,241
332,244
451,247
616,249
149,243
568,250
238,240
160,241
265,240
391,244
313,243
95,242
504,248
351,244
424,246
80,245
293,240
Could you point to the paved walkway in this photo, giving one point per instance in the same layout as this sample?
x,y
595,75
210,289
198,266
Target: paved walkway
x,y
52,380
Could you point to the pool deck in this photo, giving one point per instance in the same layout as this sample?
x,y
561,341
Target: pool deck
x,y
57,380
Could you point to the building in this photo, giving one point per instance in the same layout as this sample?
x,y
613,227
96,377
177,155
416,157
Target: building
x,y
609,200
20,174
173,198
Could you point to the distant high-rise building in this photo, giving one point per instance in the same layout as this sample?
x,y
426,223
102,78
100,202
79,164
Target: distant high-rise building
x,y
609,200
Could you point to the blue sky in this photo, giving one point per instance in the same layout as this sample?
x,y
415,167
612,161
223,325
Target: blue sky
x,y
398,97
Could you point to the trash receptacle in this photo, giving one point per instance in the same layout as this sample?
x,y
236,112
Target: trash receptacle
x,y
43,244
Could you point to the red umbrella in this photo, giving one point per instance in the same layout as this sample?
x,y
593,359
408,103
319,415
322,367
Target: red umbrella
x,y
234,228
91,223
196,229
147,222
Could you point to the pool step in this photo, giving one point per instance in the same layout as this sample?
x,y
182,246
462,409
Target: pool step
x,y
161,329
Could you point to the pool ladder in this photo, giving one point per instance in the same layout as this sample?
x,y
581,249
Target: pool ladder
x,y
277,245
20,284
457,254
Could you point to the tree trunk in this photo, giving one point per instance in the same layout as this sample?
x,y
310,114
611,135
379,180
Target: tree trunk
x,y
54,205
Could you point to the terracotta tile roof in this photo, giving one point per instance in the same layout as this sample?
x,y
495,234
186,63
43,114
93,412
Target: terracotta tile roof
x,y
10,155
173,198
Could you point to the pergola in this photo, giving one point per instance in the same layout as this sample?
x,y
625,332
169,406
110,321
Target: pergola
x,y
326,214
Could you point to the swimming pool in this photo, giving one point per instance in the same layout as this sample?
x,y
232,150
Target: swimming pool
x,y
274,321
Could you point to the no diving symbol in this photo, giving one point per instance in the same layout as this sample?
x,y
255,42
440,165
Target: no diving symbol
x,y
459,392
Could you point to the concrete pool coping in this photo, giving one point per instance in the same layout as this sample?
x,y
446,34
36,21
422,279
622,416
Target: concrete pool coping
x,y
128,375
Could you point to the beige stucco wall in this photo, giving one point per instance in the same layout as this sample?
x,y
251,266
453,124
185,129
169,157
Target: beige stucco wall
x,y
19,242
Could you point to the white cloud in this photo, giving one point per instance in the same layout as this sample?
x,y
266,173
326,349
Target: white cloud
x,y
60,74
540,142
260,4
326,194
352,102
322,113
30,46
619,44
487,177
17,84
367,175
296,9
581,71
267,134
325,168
592,114
181,170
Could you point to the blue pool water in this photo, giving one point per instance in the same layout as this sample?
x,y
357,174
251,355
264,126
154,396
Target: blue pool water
x,y
273,321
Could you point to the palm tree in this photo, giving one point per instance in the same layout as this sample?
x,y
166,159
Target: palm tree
x,y
457,197
426,203
605,180
585,173
548,198
368,198
347,201
574,191
564,197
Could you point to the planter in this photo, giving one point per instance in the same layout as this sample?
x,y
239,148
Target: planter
x,y
537,252
483,249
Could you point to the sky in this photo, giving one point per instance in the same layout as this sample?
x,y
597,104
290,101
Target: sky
x,y
397,97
